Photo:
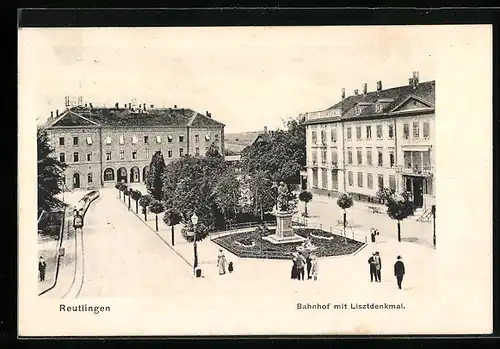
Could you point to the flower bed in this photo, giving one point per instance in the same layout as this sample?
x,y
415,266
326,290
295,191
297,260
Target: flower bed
x,y
241,245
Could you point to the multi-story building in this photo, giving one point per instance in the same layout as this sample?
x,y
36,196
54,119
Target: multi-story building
x,y
103,146
374,140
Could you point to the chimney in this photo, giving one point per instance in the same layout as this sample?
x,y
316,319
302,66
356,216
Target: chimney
x,y
410,81
343,93
85,105
365,88
152,106
57,112
51,114
379,85
265,129
415,79
175,106
144,106
116,105
356,92
130,105
91,107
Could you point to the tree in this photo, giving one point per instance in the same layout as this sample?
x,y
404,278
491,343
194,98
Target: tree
x,y
226,193
136,195
261,192
50,175
399,207
188,185
172,217
305,196
144,202
201,231
280,154
156,207
154,181
345,202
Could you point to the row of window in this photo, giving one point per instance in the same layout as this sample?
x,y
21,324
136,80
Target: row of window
x,y
379,130
412,159
76,155
369,157
134,139
369,180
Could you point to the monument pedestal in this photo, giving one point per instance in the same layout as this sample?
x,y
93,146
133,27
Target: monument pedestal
x,y
284,231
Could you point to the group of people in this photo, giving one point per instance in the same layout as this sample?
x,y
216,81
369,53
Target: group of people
x,y
375,263
222,262
303,262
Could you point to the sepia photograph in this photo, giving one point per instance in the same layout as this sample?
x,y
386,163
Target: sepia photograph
x,y
245,180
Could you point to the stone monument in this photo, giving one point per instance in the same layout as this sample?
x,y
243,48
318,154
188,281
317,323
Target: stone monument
x,y
284,231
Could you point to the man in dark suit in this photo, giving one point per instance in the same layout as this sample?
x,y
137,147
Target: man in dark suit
x,y
399,271
373,271
41,268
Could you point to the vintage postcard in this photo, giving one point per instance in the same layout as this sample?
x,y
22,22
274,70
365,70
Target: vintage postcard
x,y
255,181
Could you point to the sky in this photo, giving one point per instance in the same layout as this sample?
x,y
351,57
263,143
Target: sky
x,y
247,77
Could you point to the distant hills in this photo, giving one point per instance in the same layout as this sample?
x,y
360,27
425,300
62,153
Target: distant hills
x,y
236,142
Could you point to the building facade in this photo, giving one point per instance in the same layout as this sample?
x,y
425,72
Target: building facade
x,y
103,146
374,140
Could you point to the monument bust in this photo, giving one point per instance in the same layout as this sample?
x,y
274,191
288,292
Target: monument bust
x,y
283,204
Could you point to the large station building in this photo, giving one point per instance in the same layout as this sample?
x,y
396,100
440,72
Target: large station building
x,y
103,146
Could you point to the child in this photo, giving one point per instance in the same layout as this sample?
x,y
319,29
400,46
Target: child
x,y
230,267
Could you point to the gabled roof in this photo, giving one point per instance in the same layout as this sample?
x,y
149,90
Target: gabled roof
x,y
124,117
424,92
70,118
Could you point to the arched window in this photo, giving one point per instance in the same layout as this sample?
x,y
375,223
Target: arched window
x,y
109,174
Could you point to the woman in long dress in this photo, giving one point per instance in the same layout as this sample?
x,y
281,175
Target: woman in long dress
x,y
295,270
314,267
221,263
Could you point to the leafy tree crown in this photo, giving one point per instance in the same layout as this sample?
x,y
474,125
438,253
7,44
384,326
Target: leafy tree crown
x,y
305,196
156,207
345,201
172,217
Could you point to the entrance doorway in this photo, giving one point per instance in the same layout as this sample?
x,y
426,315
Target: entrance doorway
x,y
414,186
76,180
418,197
145,171
134,174
122,175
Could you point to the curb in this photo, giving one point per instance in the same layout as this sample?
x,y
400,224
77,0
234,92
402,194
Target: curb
x,y
58,262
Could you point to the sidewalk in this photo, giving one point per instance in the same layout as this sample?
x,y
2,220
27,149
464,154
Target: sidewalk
x,y
325,210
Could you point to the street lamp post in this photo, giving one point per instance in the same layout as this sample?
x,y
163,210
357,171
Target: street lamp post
x,y
194,220
434,224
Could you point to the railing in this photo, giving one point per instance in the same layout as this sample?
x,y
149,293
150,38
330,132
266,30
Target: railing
x,y
427,170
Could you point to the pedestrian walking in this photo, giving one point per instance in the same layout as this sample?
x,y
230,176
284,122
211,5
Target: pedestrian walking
x,y
41,268
378,267
230,267
308,264
301,263
372,233
373,269
221,262
314,267
399,271
295,270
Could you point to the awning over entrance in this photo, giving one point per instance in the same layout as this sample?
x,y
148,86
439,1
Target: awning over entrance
x,y
415,147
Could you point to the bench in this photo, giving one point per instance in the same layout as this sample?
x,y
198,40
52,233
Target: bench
x,y
375,209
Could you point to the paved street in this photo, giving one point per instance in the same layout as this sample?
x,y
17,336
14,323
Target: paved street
x,y
125,258
325,210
